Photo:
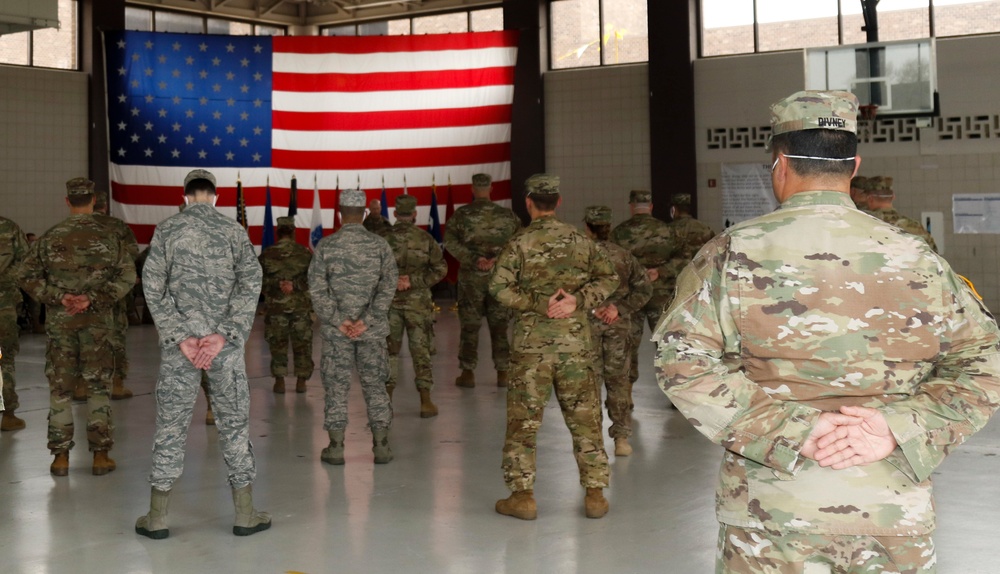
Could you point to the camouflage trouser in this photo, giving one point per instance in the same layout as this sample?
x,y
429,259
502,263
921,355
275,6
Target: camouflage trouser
x,y
176,392
747,551
474,303
415,324
532,378
648,315
118,338
340,357
80,348
612,350
278,329
10,345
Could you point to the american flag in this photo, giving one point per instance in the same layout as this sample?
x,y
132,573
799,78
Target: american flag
x,y
402,108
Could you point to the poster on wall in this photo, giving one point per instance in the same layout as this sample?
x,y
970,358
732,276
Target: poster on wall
x,y
976,212
746,192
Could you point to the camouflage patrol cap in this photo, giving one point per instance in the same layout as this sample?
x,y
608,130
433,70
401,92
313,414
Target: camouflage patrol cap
x,y
814,109
79,186
406,205
482,180
100,199
640,196
352,198
597,214
880,186
199,174
681,199
542,184
859,182
287,221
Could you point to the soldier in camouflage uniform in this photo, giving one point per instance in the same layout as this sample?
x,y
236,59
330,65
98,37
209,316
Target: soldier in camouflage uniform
x,y
475,235
689,236
551,276
202,282
836,360
353,279
880,195
654,245
859,192
374,221
13,249
611,326
421,265
121,313
79,271
289,310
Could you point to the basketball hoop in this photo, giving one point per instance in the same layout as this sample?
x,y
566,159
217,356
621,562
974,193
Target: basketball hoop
x,y
867,112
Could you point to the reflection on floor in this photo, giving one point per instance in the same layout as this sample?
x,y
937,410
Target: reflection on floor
x,y
430,510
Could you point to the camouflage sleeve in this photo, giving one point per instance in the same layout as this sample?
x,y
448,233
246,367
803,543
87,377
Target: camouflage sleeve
x,y
436,268
505,285
455,245
170,324
324,303
698,347
958,398
269,283
33,279
120,279
18,251
639,288
131,245
246,292
386,288
603,281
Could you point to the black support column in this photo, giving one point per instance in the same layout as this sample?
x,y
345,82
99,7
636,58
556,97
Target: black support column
x,y
97,15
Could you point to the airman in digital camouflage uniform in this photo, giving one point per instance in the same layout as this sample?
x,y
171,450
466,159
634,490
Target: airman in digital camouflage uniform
x,y
79,271
289,309
837,361
611,327
552,276
859,192
421,265
654,245
13,249
121,313
202,283
353,279
475,235
880,195
374,221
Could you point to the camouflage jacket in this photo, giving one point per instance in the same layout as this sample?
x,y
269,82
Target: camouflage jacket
x,y
634,288
353,276
806,309
893,217
479,229
13,249
286,260
79,257
418,256
653,244
544,257
201,277
690,235
377,224
122,231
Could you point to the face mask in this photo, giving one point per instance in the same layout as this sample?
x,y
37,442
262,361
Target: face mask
x,y
187,200
215,198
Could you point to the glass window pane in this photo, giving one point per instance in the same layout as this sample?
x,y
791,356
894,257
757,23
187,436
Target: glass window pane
x,y
784,25
14,48
138,19
576,33
727,27
230,27
349,30
958,17
854,21
379,28
262,30
626,36
903,20
490,20
399,27
173,22
56,48
442,24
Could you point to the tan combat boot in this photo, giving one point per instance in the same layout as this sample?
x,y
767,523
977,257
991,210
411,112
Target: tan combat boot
x,y
80,392
102,463
60,466
248,520
427,408
380,446
154,524
300,385
520,504
501,378
334,454
466,380
118,390
594,504
622,447
279,385
10,423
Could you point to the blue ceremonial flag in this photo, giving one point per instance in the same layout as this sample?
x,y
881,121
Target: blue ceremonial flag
x,y
293,199
385,204
316,227
435,226
267,239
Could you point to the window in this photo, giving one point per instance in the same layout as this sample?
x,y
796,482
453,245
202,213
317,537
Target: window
x,y
350,30
15,48
262,30
149,20
175,22
45,47
785,26
626,36
399,27
228,27
727,27
575,35
486,20
483,20
957,17
443,24
138,19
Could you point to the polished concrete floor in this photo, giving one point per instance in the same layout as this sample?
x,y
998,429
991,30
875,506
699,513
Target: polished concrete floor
x,y
430,510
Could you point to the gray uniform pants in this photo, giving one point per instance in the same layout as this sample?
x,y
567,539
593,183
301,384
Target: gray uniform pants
x,y
371,358
176,391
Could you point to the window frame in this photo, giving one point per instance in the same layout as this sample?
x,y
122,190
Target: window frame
x,y
602,59
78,48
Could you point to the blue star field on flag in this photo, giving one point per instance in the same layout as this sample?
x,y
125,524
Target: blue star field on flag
x,y
189,100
